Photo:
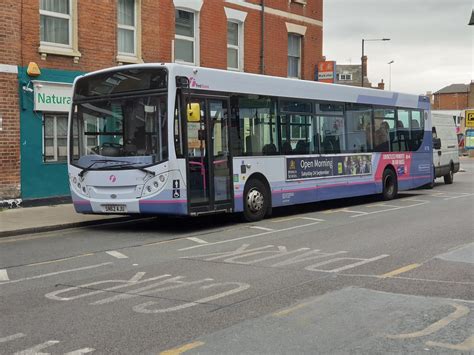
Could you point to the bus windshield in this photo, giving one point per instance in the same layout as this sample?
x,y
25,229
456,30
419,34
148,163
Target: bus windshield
x,y
131,131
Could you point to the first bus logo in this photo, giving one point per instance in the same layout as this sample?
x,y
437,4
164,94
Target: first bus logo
x,y
112,178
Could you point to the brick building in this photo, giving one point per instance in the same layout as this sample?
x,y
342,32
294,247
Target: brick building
x,y
454,97
350,74
67,38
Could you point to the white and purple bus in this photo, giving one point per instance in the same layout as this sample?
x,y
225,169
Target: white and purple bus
x,y
181,140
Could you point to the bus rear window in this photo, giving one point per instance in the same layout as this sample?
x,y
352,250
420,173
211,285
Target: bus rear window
x,y
121,81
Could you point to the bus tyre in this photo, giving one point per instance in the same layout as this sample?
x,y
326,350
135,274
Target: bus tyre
x,y
256,201
449,177
389,185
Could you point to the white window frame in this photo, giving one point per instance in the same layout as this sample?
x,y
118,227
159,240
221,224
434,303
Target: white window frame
x,y
300,52
136,57
345,77
194,40
54,137
298,30
70,49
239,47
238,17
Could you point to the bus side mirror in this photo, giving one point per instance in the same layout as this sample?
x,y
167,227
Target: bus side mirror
x,y
194,112
436,143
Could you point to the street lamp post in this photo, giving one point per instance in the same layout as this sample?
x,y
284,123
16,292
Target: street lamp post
x,y
390,74
362,59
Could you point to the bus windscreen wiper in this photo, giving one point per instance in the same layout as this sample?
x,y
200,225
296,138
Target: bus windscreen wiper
x,y
131,165
86,169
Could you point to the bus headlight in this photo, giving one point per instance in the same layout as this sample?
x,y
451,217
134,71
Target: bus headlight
x,y
155,185
78,186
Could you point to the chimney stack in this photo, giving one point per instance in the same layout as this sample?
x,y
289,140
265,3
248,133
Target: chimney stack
x,y
381,85
364,70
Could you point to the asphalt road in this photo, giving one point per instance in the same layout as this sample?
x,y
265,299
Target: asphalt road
x,y
355,275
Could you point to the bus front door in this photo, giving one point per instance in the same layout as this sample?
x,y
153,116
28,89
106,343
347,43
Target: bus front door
x,y
208,155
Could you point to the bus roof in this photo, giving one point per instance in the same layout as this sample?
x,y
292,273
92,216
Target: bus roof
x,y
218,80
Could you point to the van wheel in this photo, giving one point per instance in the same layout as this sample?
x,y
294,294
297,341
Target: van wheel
x,y
389,185
256,200
449,177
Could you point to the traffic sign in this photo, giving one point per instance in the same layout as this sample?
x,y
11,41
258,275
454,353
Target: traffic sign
x,y
470,118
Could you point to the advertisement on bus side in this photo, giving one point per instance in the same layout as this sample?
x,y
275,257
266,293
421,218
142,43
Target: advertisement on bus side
x,y
321,167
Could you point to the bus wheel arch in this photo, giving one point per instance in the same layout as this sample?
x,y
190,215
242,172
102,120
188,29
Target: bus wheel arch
x,y
389,183
257,198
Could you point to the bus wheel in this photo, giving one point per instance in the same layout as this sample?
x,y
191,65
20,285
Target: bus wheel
x,y
255,201
449,177
390,186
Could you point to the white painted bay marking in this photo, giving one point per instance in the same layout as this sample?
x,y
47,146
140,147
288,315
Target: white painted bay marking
x,y
12,337
278,220
251,236
197,240
262,228
55,273
420,202
3,275
453,197
80,351
35,349
116,254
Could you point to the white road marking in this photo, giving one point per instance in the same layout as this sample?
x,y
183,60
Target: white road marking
x,y
35,349
197,240
262,228
251,236
12,337
55,273
453,197
80,351
116,254
278,220
3,275
420,202
346,267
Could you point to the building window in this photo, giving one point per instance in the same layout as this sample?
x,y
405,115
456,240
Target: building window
x,y
294,56
344,77
55,22
234,46
185,37
55,137
126,23
58,28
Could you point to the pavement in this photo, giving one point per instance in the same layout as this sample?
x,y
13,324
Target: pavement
x,y
28,220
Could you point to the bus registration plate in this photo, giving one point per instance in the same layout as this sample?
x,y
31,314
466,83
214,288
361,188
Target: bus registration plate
x,y
114,208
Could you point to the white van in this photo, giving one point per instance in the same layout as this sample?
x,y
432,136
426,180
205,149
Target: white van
x,y
445,147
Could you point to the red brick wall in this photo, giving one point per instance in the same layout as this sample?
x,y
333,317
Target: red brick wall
x,y
9,108
458,101
98,31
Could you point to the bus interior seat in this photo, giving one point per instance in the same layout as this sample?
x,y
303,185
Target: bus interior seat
x,y
302,147
286,148
269,149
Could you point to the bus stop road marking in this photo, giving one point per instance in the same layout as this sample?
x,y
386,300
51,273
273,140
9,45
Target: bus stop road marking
x,y
36,349
80,351
182,349
197,240
4,275
12,337
391,209
55,273
453,197
400,270
60,260
466,345
262,228
116,254
251,236
286,219
460,311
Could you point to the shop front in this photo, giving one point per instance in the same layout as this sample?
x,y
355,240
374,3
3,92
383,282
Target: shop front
x,y
45,103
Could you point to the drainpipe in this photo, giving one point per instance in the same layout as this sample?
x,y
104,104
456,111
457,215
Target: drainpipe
x,y
262,37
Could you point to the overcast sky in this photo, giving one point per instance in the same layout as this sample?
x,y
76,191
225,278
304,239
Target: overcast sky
x,y
431,43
